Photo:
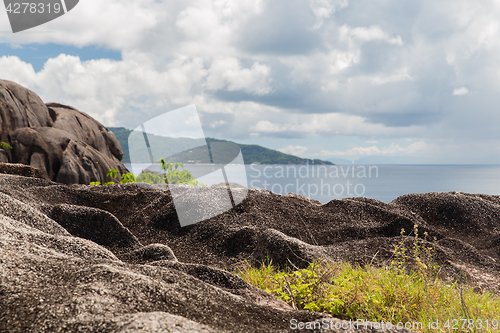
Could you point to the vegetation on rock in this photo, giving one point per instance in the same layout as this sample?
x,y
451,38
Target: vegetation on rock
x,y
172,176
408,290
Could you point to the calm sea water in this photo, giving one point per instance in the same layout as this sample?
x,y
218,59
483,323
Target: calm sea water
x,y
381,182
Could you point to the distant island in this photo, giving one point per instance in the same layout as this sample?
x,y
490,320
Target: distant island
x,y
251,153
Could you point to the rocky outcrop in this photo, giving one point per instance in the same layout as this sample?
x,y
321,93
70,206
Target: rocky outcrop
x,y
52,280
55,277
20,170
67,145
114,258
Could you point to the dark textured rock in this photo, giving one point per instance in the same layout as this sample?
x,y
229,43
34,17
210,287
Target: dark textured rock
x,y
20,107
94,224
149,253
472,218
53,281
85,129
67,145
20,170
3,156
55,277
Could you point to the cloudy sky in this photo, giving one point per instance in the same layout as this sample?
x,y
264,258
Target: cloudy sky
x,y
316,78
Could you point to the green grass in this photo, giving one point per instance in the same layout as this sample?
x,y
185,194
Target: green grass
x,y
375,294
407,290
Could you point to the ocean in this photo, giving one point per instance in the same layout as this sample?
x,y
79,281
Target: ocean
x,y
382,182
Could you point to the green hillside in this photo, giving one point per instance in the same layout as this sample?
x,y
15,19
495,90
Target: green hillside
x,y
164,147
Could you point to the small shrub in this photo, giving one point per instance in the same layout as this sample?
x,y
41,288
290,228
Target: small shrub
x,y
150,178
172,176
400,256
113,173
5,145
128,178
422,255
175,176
390,294
261,277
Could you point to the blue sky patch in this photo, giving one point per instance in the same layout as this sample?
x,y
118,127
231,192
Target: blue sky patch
x,y
38,54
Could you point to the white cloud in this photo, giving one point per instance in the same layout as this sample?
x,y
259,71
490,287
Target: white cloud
x,y
400,75
368,71
128,92
460,91
323,124
323,9
218,123
228,74
196,23
14,69
294,150
329,68
393,149
108,89
116,24
371,33
321,67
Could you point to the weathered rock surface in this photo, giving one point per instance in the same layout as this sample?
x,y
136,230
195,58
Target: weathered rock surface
x,y
67,145
20,170
146,273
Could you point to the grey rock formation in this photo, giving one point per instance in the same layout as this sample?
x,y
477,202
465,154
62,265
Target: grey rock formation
x,y
150,253
114,258
94,224
20,170
67,145
62,271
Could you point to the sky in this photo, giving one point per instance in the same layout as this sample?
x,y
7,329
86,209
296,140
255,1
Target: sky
x,y
414,80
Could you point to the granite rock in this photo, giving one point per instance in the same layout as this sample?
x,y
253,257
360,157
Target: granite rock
x,y
67,145
87,259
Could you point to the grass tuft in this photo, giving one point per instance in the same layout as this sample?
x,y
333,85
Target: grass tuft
x,y
404,291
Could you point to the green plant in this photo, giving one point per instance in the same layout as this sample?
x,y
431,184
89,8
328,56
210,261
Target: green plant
x,y
399,253
262,277
172,176
150,178
5,145
128,178
175,176
113,173
374,293
423,254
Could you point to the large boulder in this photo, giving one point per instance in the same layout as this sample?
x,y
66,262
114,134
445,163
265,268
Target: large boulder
x,y
20,170
114,258
55,277
67,145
